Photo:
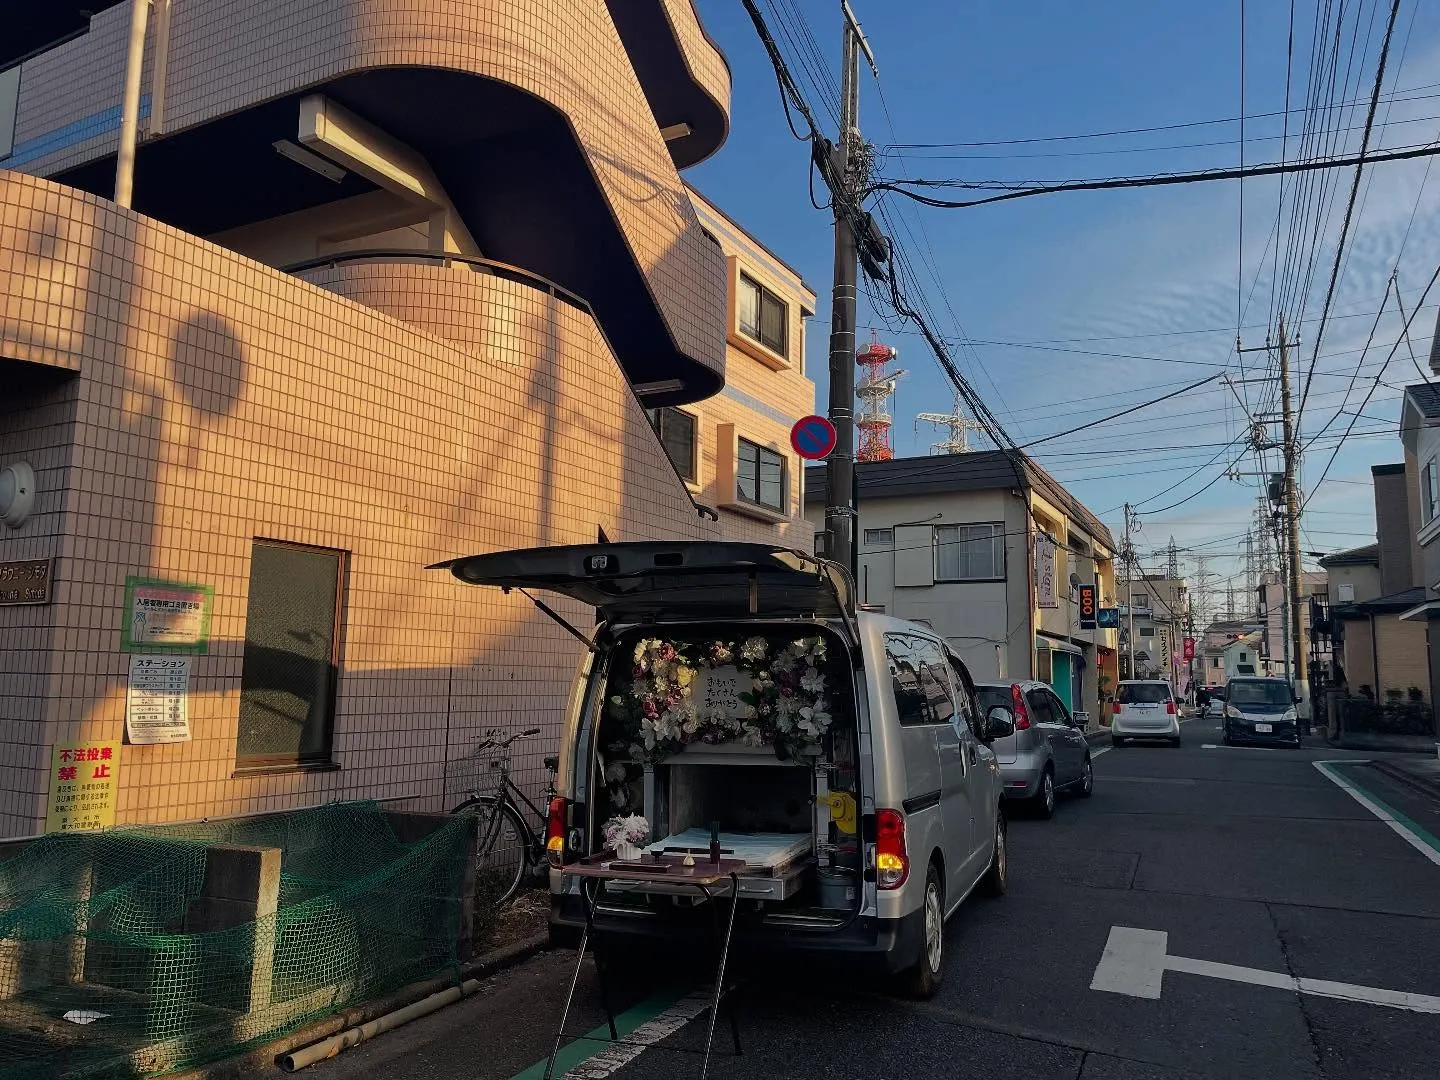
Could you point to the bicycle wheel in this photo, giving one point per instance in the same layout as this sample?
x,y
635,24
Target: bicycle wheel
x,y
502,847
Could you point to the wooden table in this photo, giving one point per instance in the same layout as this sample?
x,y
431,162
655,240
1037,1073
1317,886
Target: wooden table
x,y
711,880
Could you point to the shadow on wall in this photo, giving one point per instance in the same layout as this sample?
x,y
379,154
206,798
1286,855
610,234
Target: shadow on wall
x,y
207,371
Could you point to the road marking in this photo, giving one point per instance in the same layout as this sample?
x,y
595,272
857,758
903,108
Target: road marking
x,y
628,1025
1135,961
1100,750
1149,780
1262,749
1402,826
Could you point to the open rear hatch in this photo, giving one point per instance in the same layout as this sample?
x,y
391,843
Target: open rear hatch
x,y
648,581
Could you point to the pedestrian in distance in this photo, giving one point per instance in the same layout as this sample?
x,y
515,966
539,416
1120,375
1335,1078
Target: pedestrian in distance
x,y
1202,701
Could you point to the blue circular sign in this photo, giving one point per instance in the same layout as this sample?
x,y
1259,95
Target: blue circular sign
x,y
813,437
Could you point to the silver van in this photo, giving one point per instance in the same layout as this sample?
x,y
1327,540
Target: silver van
x,y
731,692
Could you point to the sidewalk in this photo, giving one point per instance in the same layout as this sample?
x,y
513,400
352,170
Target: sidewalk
x,y
1420,773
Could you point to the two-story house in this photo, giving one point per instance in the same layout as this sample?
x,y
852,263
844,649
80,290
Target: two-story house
x,y
1420,434
990,550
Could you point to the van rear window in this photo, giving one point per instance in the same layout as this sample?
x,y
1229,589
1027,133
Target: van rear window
x,y
1144,693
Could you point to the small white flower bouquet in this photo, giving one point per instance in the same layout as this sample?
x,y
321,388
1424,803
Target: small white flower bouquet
x,y
625,835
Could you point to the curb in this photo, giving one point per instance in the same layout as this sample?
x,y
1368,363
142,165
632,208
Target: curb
x,y
1415,783
246,1065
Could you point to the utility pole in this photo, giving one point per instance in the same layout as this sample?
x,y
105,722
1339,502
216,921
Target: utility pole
x,y
840,508
1292,518
1127,557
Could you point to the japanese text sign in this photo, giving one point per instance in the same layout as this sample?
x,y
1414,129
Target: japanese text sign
x,y
157,704
166,616
84,783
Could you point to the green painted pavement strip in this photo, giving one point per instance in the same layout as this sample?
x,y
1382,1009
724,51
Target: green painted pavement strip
x,y
1416,829
596,1040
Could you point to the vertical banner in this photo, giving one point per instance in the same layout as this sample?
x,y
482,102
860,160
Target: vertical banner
x,y
84,782
1045,571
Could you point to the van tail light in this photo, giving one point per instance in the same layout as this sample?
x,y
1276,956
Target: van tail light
x,y
1170,707
892,865
1022,714
1115,706
555,824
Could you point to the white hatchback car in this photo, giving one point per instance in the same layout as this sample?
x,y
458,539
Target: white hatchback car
x,y
1145,709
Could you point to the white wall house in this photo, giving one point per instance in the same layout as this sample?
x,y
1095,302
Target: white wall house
x,y
991,556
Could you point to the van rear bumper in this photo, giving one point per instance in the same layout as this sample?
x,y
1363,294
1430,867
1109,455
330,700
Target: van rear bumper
x,y
865,945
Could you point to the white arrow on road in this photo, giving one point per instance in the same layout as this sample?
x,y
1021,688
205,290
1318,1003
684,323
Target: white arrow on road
x,y
1135,962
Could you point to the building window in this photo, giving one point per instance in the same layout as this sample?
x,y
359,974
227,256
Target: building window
x,y
1147,631
760,476
1139,600
879,539
822,545
969,552
1429,491
762,316
288,679
677,435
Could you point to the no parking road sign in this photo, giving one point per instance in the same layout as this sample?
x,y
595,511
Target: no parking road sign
x,y
813,437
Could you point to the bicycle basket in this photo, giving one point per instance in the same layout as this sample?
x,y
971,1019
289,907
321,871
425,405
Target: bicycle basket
x,y
479,772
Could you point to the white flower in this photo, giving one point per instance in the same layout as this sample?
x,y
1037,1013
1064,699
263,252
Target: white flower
x,y
814,720
812,682
754,649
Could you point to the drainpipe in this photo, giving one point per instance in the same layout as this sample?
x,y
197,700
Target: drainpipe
x,y
1375,662
130,104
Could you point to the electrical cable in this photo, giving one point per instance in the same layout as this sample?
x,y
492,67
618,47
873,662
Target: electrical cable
x,y
1350,205
1121,182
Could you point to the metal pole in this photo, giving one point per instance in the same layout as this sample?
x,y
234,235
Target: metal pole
x,y
840,467
1292,518
1129,596
130,104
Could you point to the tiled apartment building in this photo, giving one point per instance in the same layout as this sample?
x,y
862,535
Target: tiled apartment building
x,y
404,280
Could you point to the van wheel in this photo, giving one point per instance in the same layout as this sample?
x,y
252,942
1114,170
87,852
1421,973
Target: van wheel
x,y
922,980
1044,799
996,880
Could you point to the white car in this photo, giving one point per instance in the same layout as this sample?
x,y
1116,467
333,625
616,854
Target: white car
x,y
1145,709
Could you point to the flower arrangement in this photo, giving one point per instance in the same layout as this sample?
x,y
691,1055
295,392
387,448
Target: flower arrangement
x,y
625,834
782,696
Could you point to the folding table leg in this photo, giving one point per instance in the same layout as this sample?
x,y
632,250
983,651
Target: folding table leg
x,y
586,903
720,976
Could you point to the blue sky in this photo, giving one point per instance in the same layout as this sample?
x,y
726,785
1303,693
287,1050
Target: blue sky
x,y
1148,274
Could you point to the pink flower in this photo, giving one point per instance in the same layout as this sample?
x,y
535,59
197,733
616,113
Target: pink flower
x,y
650,710
667,652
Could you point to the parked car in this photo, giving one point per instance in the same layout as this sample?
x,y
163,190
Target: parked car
x,y
912,824
1048,751
1144,709
1260,710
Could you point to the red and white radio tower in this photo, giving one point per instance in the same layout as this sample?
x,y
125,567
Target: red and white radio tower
x,y
876,387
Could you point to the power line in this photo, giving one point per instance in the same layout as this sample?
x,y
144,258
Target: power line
x,y
1122,412
1007,194
1335,453
1350,204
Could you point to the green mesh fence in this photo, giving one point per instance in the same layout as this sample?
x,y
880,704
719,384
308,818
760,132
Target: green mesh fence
x,y
136,952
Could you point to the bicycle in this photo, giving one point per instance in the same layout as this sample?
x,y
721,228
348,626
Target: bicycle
x,y
506,846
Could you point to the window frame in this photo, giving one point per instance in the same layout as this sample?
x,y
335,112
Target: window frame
x,y
691,473
1429,491
760,449
997,550
325,758
757,333
887,544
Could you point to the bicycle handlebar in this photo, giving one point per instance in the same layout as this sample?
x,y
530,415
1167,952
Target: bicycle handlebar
x,y
493,737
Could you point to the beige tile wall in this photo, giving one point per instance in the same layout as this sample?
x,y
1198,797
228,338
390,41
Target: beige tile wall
x,y
219,400
231,56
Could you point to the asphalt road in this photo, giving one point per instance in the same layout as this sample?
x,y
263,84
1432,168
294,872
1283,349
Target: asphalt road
x,y
1251,858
